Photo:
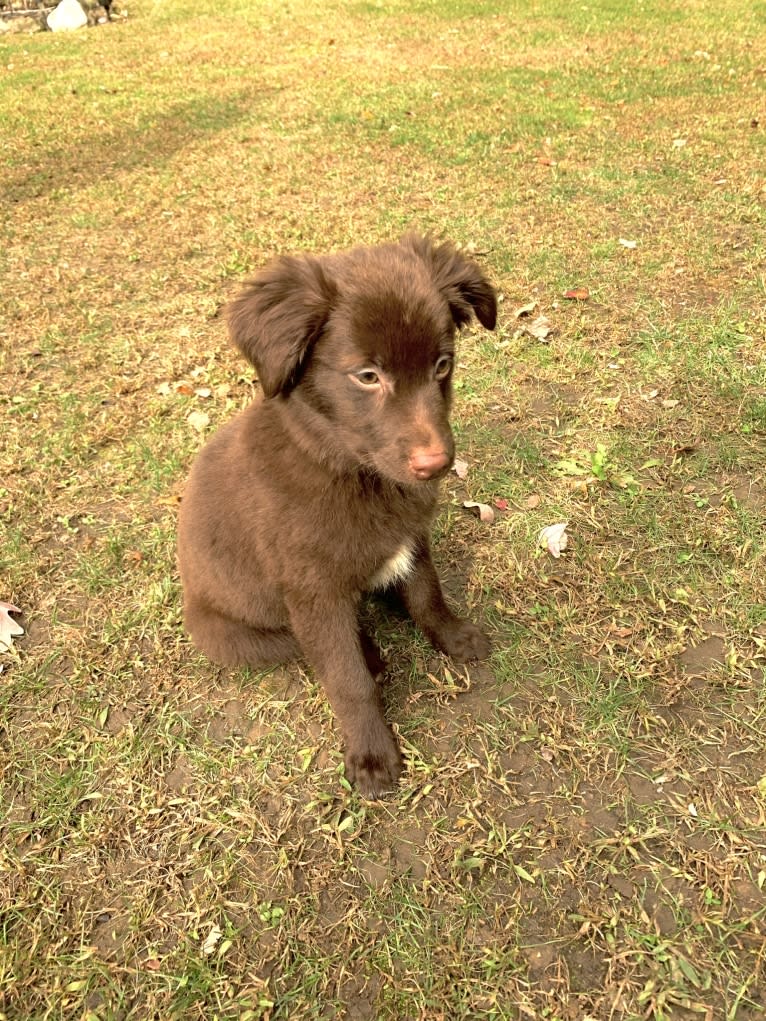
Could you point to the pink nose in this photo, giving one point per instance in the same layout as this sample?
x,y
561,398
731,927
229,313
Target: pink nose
x,y
425,463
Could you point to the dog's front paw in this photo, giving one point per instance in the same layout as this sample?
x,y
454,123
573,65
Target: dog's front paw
x,y
465,641
375,765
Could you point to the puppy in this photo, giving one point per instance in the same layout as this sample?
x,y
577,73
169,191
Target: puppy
x,y
326,488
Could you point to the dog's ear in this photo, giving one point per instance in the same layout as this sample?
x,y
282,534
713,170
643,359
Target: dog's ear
x,y
278,316
459,279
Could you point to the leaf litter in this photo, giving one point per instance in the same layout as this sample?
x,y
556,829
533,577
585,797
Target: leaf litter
x,y
9,628
481,510
554,538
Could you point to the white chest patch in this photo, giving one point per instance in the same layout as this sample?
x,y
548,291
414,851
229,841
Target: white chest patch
x,y
395,569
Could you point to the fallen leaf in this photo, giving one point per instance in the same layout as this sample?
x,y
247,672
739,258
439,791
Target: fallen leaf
x,y
579,487
460,468
532,501
577,294
203,391
628,244
686,448
483,511
554,538
163,389
212,940
198,420
679,143
525,310
670,403
540,328
622,632
501,504
184,388
9,629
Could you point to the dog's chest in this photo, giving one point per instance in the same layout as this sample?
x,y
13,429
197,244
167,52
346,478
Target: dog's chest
x,y
396,569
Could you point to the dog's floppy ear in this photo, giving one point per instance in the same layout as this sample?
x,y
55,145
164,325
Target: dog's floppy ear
x,y
459,279
278,316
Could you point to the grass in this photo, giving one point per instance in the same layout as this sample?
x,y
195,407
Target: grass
x,y
580,832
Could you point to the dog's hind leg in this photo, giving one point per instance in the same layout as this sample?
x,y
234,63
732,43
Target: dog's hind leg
x,y
234,643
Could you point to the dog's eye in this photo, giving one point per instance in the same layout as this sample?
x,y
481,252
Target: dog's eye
x,y
443,367
367,377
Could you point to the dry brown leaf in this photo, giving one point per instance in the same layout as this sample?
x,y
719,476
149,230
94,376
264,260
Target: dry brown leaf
x,y
525,310
212,940
198,420
580,487
9,628
460,468
577,294
540,328
482,510
554,538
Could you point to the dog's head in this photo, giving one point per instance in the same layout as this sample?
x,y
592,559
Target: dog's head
x,y
362,346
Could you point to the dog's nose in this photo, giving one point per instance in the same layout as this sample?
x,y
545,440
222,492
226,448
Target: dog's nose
x,y
425,463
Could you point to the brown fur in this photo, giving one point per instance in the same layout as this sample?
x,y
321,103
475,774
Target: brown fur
x,y
302,502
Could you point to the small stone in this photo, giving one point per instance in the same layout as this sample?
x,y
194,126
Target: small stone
x,y
67,17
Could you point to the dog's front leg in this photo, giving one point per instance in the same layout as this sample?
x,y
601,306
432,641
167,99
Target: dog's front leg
x,y
328,634
422,594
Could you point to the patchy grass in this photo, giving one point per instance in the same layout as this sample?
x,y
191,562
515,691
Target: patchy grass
x,y
581,830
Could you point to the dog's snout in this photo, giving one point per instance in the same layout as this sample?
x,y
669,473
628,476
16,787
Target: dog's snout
x,y
427,462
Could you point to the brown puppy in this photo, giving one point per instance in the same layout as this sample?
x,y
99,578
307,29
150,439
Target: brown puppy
x,y
327,487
